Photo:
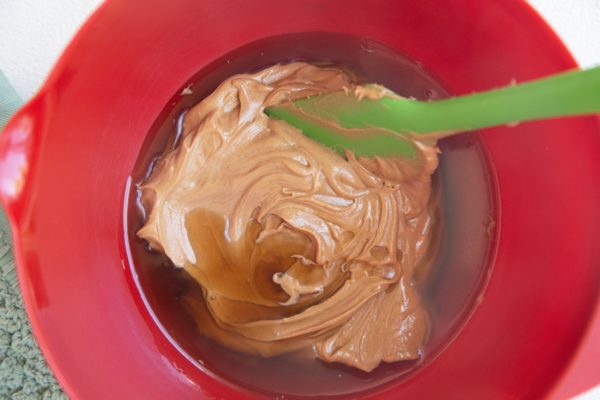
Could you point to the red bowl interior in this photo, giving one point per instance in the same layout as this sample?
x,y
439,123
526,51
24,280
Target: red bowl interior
x,y
65,158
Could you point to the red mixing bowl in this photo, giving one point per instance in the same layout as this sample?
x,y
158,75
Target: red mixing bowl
x,y
65,158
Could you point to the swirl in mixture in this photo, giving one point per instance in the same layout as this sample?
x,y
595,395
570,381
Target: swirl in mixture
x,y
295,247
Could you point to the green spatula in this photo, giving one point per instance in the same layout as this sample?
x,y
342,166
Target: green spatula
x,y
333,118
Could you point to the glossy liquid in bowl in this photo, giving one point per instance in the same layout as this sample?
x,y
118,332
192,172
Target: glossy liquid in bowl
x,y
451,287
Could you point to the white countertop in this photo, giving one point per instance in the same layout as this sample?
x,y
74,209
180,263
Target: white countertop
x,y
33,33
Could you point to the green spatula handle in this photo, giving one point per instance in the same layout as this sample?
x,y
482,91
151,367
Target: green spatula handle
x,y
571,93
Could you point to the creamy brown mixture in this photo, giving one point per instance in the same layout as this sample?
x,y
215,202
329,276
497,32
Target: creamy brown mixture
x,y
295,247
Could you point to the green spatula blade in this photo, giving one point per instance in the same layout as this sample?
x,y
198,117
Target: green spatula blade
x,y
338,139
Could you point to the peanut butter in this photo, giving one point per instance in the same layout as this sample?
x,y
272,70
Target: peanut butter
x,y
296,248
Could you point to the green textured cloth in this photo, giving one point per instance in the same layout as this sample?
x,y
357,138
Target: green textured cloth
x,y
24,374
